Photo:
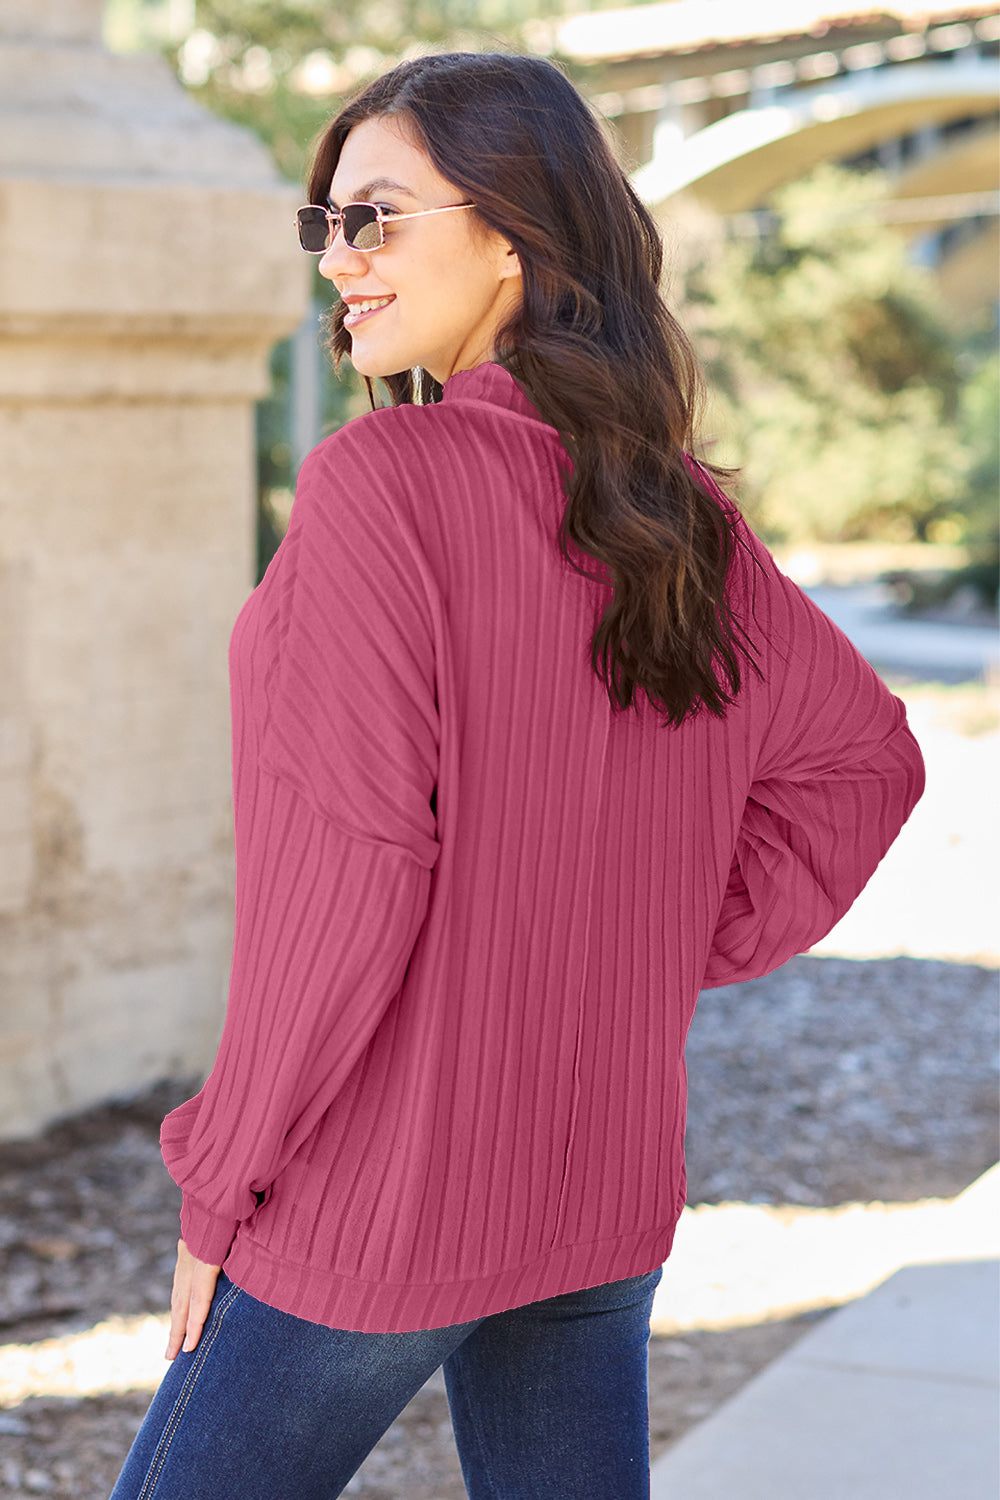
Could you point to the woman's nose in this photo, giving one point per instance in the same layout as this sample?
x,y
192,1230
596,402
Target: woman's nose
x,y
341,259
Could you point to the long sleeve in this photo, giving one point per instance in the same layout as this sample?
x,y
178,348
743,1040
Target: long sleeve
x,y
324,930
837,774
335,756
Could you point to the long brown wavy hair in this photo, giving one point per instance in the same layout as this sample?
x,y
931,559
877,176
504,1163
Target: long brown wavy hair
x,y
595,349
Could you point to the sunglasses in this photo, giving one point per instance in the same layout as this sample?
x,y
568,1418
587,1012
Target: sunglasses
x,y
362,224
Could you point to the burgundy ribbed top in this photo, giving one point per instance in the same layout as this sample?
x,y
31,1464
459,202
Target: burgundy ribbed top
x,y
474,905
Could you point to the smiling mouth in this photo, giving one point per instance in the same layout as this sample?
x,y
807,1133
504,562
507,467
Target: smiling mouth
x,y
360,312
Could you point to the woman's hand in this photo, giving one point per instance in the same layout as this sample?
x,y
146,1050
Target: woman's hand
x,y
194,1287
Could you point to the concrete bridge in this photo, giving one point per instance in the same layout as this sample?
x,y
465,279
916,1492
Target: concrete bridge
x,y
723,102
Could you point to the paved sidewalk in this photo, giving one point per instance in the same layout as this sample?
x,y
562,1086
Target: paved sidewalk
x,y
865,614
894,1397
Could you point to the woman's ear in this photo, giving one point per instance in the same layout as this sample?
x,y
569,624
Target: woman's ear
x,y
501,255
510,265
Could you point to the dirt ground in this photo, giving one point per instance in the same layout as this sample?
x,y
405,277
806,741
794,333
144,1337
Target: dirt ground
x,y
830,1081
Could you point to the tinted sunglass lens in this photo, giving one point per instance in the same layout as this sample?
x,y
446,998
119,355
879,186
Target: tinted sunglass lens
x,y
362,229
314,230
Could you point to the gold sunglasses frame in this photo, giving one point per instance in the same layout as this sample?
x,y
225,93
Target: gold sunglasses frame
x,y
381,219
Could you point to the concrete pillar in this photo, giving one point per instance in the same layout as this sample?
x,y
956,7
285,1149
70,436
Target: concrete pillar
x,y
147,265
669,131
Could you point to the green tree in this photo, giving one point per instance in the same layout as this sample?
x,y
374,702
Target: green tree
x,y
979,424
283,68
837,385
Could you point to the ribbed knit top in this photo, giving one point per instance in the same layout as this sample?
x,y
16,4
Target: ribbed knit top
x,y
475,905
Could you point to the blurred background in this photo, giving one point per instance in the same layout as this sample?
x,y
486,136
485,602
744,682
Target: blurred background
x,y
826,178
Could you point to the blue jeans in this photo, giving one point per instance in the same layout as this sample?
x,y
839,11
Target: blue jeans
x,y
548,1401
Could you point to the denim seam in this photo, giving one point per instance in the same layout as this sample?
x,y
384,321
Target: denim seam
x,y
187,1390
482,1445
474,1414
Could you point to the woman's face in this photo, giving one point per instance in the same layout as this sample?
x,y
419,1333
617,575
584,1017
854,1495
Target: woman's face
x,y
446,282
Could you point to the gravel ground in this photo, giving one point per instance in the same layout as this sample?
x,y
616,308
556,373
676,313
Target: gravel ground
x,y
830,1081
838,1080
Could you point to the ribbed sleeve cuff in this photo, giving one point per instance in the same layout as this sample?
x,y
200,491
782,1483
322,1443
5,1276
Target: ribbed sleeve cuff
x,y
207,1236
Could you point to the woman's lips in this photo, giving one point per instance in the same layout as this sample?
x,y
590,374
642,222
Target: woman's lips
x,y
353,318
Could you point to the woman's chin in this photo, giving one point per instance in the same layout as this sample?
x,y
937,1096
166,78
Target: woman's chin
x,y
367,363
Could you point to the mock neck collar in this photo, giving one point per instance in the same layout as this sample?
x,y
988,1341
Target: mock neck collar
x,y
489,382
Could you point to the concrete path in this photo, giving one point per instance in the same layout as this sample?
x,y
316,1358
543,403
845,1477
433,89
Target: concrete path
x,y
937,892
735,1264
892,1398
953,650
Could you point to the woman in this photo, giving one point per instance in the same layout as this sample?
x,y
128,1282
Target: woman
x,y
532,742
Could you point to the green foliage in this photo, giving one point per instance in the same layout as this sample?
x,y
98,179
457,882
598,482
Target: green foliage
x,y
342,397
979,424
282,69
837,384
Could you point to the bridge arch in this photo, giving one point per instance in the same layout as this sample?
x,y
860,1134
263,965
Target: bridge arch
x,y
735,164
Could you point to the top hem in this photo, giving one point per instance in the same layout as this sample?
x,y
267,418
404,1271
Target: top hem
x,y
345,1302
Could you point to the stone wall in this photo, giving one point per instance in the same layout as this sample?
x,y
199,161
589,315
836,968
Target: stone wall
x,y
147,265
